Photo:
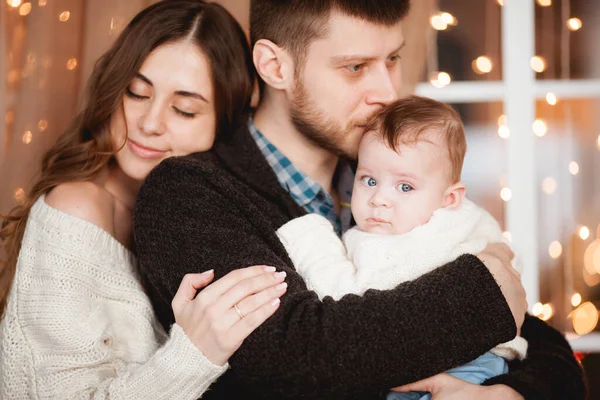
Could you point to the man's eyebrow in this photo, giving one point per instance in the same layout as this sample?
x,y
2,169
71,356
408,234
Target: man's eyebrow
x,y
360,57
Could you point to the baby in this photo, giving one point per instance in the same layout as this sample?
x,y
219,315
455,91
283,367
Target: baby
x,y
411,215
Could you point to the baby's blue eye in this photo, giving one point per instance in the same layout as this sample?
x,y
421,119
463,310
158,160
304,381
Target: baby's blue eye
x,y
367,180
404,187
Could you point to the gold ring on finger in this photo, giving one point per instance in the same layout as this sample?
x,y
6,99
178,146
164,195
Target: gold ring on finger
x,y
237,310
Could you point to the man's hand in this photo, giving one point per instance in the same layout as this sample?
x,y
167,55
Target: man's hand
x,y
447,387
497,258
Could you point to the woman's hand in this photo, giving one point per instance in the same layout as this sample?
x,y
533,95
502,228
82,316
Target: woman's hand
x,y
447,387
220,317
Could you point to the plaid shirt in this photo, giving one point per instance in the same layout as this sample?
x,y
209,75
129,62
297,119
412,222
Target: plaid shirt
x,y
303,189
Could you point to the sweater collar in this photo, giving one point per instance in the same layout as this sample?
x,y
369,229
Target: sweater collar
x,y
239,154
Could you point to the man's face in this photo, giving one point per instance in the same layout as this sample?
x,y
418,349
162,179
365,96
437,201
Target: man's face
x,y
344,79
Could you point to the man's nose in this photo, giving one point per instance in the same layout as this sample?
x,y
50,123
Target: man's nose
x,y
383,90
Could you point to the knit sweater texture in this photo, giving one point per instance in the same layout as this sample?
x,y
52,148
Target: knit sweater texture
x,y
221,209
361,260
79,325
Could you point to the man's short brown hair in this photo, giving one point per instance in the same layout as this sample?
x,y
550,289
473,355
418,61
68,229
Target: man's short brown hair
x,y
293,24
410,119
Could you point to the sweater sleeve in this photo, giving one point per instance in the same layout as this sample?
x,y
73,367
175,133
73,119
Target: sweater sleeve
x,y
177,370
79,326
320,257
550,371
190,217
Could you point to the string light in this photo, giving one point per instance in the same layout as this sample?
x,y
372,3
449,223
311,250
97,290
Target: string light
x,y
27,136
64,16
13,75
505,194
574,24
42,3
444,78
116,23
549,185
507,235
538,64
539,128
585,318
19,194
551,99
542,311
25,9
503,132
482,65
576,299
547,312
72,64
584,232
42,125
590,279
591,257
555,249
502,120
13,3
573,168
437,22
9,117
598,142
449,18
500,2
440,79
544,3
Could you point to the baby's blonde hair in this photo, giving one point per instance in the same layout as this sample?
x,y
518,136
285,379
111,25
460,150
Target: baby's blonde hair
x,y
408,120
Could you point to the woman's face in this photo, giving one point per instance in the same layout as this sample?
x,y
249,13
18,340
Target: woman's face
x,y
167,110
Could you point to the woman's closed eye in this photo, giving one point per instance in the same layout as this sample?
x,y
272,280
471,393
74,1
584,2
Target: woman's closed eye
x,y
184,114
135,96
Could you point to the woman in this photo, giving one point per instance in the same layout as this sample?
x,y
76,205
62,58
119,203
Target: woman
x,y
77,322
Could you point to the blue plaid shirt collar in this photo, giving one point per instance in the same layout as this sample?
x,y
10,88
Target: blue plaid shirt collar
x,y
304,190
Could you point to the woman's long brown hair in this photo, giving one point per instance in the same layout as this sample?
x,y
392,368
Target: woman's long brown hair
x,y
85,148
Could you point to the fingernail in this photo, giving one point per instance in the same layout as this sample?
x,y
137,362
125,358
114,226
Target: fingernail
x,y
281,274
270,269
210,271
275,302
281,286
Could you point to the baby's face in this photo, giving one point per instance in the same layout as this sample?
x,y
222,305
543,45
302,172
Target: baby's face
x,y
396,192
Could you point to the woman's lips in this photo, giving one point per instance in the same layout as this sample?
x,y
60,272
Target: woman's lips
x,y
143,151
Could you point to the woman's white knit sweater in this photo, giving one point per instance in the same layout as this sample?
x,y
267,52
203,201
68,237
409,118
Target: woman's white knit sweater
x,y
362,261
79,325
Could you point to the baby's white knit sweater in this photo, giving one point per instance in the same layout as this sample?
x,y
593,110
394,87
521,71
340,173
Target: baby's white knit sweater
x,y
332,267
79,325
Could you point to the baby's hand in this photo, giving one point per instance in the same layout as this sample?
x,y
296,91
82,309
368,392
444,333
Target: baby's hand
x,y
497,258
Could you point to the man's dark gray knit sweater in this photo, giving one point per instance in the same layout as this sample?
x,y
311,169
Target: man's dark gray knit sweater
x,y
221,209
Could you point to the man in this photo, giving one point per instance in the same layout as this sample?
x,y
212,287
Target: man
x,y
325,67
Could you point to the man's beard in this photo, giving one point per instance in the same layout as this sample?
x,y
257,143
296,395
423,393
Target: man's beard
x,y
312,124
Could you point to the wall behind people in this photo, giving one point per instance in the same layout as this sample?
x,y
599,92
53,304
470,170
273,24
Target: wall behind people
x,y
47,52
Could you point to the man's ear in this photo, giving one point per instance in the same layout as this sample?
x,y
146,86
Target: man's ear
x,y
454,196
273,64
